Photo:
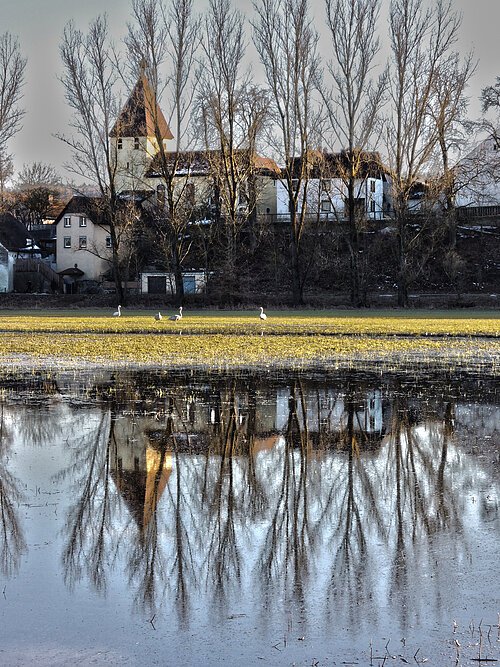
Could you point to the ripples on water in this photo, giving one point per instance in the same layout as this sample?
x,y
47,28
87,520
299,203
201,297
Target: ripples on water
x,y
161,518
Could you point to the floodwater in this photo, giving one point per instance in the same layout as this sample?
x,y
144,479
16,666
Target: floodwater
x,y
259,519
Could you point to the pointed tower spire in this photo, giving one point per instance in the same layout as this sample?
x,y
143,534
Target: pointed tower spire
x,y
137,134
141,112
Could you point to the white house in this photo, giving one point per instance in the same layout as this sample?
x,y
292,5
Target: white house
x,y
82,243
326,183
7,261
477,175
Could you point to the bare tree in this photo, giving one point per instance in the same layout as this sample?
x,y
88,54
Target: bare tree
x,y
6,173
169,36
447,109
287,44
421,42
37,186
37,174
353,107
231,114
90,80
12,67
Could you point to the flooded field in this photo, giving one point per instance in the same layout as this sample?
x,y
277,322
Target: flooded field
x,y
176,518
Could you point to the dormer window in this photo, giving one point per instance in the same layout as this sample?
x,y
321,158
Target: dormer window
x,y
119,143
136,143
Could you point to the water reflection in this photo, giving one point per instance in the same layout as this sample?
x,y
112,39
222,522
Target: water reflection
x,y
339,492
12,542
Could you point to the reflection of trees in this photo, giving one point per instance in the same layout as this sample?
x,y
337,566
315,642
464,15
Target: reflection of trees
x,y
334,488
352,501
12,542
222,497
287,548
39,427
89,520
146,556
424,501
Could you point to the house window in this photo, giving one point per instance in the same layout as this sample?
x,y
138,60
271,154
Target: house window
x,y
83,242
136,143
326,206
372,206
372,186
67,222
326,185
83,221
67,241
119,143
108,241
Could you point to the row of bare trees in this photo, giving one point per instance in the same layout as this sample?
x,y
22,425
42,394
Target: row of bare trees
x,y
411,109
12,69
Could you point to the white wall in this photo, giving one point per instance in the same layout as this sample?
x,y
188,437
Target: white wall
x,y
93,267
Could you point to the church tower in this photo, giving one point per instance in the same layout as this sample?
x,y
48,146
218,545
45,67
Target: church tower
x,y
134,140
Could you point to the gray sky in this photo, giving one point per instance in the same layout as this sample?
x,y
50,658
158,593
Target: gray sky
x,y
39,25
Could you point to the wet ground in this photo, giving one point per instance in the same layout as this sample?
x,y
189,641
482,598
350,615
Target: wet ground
x,y
190,519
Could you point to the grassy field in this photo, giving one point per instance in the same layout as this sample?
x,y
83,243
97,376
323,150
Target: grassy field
x,y
239,338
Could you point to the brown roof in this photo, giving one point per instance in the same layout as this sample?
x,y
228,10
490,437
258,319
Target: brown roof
x,y
138,116
334,165
198,162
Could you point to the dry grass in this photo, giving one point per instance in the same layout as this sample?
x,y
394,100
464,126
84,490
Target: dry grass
x,y
240,339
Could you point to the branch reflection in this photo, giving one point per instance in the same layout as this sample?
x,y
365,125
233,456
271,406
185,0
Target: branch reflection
x,y
209,486
12,541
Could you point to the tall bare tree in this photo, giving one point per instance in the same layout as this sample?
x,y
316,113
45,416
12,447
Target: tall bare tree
x,y
353,105
231,115
447,109
166,39
287,44
421,43
91,79
12,68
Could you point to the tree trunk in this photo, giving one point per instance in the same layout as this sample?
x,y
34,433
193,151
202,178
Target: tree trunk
x,y
402,279
179,282
297,288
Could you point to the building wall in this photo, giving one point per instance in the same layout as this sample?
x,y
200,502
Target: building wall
x,y
94,267
194,282
267,195
132,163
478,176
6,270
328,195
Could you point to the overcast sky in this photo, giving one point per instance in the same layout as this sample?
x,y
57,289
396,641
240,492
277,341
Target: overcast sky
x,y
39,26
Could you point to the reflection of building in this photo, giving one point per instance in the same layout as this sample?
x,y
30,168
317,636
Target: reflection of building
x,y
139,469
196,413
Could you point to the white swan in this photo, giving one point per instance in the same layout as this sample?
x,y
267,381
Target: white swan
x,y
118,313
177,316
262,315
158,316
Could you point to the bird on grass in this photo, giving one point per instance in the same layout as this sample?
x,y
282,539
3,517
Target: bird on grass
x,y
177,316
262,315
118,313
158,316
